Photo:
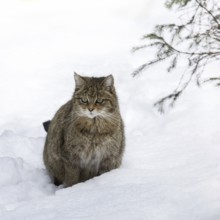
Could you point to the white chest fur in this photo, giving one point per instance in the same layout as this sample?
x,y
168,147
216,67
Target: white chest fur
x,y
91,158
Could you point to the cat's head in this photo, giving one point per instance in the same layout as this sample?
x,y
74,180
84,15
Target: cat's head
x,y
94,96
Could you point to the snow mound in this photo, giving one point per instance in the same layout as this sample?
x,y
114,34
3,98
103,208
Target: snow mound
x,y
21,182
22,176
28,148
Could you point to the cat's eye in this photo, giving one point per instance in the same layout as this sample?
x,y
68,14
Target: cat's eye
x,y
99,101
83,100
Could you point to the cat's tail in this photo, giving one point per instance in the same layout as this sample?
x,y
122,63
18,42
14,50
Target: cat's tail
x,y
46,125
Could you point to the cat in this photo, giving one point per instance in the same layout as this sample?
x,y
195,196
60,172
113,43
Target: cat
x,y
86,136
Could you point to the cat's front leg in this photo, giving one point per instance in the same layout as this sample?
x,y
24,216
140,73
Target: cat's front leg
x,y
72,173
108,164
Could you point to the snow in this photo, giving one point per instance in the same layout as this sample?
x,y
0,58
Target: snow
x,y
171,167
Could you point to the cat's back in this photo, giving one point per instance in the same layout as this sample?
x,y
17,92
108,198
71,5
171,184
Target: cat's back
x,y
55,135
61,117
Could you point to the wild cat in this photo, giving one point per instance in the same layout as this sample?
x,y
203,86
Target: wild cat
x,y
86,136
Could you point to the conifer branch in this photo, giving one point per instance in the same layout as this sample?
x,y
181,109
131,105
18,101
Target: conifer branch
x,y
195,39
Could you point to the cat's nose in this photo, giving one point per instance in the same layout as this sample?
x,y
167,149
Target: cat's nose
x,y
91,109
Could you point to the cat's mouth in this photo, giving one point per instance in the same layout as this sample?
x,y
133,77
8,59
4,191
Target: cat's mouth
x,y
91,114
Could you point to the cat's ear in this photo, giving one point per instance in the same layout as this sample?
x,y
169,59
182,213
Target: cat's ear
x,y
108,81
79,81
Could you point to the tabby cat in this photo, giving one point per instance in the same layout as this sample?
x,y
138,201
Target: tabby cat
x,y
86,136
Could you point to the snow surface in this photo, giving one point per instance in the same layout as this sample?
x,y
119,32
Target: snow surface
x,y
171,167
